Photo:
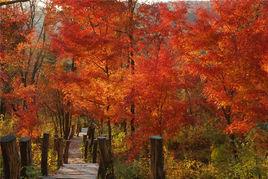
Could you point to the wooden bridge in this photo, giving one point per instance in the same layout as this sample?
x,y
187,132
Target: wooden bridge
x,y
17,157
15,161
76,167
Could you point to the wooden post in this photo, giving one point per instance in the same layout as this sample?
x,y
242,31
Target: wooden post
x,y
157,159
66,151
44,155
106,165
94,151
11,160
26,154
60,145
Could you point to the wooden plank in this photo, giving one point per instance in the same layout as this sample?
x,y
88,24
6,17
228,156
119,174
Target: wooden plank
x,y
78,171
87,168
76,177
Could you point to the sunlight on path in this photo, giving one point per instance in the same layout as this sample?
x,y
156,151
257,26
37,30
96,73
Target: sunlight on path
x,y
77,168
75,155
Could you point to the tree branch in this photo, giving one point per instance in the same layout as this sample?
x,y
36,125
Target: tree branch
x,y
12,2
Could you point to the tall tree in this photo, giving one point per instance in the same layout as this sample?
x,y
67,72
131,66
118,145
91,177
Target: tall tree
x,y
230,45
22,57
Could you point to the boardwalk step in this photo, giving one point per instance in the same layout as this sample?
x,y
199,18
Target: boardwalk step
x,y
70,177
75,177
79,171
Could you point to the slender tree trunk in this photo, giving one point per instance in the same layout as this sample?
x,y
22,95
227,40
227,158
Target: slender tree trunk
x,y
227,115
131,7
109,132
91,134
132,122
60,148
66,151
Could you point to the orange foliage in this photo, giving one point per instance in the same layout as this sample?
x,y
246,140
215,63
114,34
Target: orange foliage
x,y
230,43
20,63
145,65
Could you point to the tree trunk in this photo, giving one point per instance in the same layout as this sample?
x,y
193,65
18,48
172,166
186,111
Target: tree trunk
x,y
66,151
91,135
124,126
131,8
132,122
72,132
78,128
86,145
110,133
227,114
60,148
84,139
55,147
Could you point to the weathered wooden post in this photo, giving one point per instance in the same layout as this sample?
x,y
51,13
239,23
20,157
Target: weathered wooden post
x,y
11,159
106,164
44,155
66,151
26,154
94,151
60,148
157,159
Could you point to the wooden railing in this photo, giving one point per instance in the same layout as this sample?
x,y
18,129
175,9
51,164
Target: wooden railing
x,y
16,160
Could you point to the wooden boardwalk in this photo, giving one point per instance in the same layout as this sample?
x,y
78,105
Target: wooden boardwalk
x,y
76,167
78,171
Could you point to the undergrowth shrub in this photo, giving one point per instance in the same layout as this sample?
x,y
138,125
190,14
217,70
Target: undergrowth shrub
x,y
137,169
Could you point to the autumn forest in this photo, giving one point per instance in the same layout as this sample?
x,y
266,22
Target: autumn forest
x,y
178,87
